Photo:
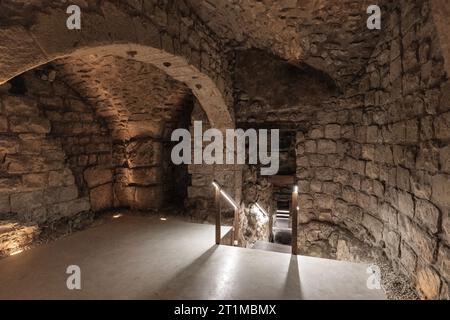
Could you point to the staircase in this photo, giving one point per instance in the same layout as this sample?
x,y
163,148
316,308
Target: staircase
x,y
270,246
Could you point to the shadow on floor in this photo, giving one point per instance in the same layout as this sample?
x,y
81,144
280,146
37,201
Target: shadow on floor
x,y
292,287
177,284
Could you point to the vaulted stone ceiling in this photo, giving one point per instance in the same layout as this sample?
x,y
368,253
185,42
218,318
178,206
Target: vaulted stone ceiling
x,y
329,35
135,98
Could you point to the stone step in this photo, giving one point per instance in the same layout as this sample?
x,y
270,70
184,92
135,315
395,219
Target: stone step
x,y
269,246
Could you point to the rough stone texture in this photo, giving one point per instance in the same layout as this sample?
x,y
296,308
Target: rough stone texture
x,y
37,184
372,158
369,112
32,161
141,106
166,34
255,225
390,165
14,236
200,194
329,35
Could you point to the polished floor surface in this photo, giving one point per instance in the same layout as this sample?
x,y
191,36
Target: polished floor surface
x,y
146,258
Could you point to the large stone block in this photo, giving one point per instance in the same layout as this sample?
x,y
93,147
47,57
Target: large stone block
x,y
97,176
35,180
22,164
326,147
143,153
446,226
101,197
324,174
316,133
442,126
444,159
443,261
5,206
420,182
3,124
427,214
25,202
388,214
145,128
123,194
29,125
441,190
145,176
403,178
349,194
373,135
68,209
332,131
60,178
405,203
374,226
368,203
368,152
372,170
323,201
60,194
428,157
422,243
392,241
408,258
412,131
148,198
428,283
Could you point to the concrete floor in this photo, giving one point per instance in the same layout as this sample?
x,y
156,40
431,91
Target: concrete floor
x,y
145,258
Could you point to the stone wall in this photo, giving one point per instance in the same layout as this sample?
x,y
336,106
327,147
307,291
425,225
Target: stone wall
x,y
141,106
200,196
61,156
165,34
37,183
254,225
373,166
38,186
330,35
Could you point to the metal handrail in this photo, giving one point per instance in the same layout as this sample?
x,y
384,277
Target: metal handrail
x,y
225,195
233,203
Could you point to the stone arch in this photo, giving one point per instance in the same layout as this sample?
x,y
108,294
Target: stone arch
x,y
167,35
168,38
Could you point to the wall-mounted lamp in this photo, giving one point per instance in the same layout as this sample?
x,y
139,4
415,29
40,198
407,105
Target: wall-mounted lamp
x,y
295,188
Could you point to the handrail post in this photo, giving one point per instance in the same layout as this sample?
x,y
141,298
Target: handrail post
x,y
236,227
294,218
218,208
